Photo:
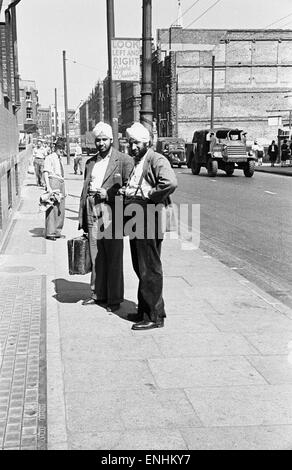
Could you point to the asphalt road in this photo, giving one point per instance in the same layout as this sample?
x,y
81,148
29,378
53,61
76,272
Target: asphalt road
x,y
246,223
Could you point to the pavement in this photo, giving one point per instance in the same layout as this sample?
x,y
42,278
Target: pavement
x,y
277,169
217,376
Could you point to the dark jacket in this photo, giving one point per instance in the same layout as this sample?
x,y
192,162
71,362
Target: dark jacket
x,y
159,174
271,153
119,163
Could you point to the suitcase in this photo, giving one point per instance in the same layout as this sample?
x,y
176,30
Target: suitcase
x,y
79,260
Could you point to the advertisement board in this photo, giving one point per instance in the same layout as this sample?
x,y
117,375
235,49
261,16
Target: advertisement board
x,y
126,55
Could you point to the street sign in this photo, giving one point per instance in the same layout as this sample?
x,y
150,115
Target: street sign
x,y
126,60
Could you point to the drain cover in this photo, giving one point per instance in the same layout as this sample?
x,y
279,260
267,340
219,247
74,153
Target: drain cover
x,y
16,269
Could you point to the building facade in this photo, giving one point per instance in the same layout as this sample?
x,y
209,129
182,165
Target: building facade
x,y
13,163
130,104
92,110
253,75
27,115
44,122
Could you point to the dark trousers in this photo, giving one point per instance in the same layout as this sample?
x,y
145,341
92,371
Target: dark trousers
x,y
147,265
107,278
55,215
38,169
78,164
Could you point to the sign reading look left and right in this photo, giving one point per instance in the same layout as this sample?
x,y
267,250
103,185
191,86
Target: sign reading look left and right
x,y
126,55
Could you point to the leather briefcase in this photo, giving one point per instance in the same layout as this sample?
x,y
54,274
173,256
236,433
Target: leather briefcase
x,y
79,260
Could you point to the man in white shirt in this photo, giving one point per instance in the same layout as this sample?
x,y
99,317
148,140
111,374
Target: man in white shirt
x,y
78,159
55,184
39,156
105,173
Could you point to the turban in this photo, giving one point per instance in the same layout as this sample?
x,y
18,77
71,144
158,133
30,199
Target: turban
x,y
138,132
103,128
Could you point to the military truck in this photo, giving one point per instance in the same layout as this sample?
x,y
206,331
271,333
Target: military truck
x,y
224,150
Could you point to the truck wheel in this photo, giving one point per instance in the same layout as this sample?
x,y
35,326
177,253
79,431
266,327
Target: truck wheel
x,y
195,167
248,170
212,167
229,169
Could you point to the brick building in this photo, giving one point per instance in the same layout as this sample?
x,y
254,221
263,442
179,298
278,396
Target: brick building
x,y
130,104
253,74
92,110
12,163
27,115
44,121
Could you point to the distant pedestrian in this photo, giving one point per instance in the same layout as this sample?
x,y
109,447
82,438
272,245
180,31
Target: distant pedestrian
x,y
273,153
244,137
38,162
55,186
258,151
213,141
78,159
285,152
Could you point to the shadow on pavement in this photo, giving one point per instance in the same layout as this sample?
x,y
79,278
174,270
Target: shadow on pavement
x,y
70,292
38,232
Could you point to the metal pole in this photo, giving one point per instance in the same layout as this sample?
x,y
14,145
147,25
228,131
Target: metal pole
x,y
66,109
212,92
146,113
112,85
56,114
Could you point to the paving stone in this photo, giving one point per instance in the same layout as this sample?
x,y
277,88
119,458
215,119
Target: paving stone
x,y
243,406
105,375
239,438
203,372
133,409
146,439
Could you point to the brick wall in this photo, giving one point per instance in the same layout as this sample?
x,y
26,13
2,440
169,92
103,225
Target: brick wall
x,y
252,77
14,168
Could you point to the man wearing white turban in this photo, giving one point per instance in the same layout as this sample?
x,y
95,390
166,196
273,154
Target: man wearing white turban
x,y
105,173
150,184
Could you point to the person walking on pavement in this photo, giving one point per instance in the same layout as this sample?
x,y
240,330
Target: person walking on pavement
x,y
55,187
273,153
78,159
285,151
105,173
150,184
38,162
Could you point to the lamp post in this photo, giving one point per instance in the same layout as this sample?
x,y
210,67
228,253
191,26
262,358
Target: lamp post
x,y
66,109
113,112
146,113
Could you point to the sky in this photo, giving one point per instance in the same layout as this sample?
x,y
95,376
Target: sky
x,y
47,27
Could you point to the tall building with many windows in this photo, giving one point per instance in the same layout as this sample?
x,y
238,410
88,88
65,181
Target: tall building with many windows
x,y
13,163
253,75
27,115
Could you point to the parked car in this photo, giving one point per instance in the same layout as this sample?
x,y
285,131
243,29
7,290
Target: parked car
x,y
227,151
173,148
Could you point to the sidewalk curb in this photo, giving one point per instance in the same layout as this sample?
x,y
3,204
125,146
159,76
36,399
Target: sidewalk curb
x,y
276,171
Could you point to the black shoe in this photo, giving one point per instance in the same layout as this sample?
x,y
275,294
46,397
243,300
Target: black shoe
x,y
148,325
112,307
51,238
135,317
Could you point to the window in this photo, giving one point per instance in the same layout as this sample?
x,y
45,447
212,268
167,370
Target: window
x,y
28,95
28,113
